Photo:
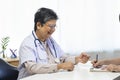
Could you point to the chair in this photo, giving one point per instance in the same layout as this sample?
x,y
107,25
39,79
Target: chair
x,y
7,71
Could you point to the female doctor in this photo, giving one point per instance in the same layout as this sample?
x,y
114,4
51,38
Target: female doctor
x,y
39,53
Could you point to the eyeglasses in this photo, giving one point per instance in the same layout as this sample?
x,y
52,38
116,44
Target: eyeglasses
x,y
51,25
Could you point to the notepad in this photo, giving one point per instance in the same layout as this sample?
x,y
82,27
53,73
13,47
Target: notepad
x,y
97,70
100,69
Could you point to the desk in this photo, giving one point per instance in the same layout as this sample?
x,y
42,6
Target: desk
x,y
81,72
12,61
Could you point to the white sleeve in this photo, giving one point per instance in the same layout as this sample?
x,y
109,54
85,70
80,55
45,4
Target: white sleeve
x,y
27,52
67,58
37,68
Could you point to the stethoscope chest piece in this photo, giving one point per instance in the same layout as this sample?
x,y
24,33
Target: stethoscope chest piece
x,y
57,60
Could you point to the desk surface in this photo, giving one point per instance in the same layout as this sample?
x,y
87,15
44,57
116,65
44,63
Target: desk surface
x,y
81,72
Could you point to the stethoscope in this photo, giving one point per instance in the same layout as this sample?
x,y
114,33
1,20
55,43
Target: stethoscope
x,y
35,39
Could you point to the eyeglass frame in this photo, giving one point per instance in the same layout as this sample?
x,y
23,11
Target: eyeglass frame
x,y
50,25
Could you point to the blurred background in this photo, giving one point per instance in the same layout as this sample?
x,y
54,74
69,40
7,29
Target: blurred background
x,y
84,25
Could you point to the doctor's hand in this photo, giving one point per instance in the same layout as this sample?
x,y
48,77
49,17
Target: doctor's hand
x,y
83,58
66,66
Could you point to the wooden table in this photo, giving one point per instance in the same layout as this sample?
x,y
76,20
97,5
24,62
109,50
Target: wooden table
x,y
12,61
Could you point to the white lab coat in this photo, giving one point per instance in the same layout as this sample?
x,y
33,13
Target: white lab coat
x,y
29,52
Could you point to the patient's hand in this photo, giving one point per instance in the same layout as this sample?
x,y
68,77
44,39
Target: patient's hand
x,y
113,67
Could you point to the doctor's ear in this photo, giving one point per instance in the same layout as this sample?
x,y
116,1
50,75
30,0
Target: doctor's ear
x,y
38,25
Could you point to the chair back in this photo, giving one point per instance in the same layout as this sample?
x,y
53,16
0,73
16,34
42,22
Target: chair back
x,y
7,71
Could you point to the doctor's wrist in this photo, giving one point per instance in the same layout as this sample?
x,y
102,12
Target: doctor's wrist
x,y
59,66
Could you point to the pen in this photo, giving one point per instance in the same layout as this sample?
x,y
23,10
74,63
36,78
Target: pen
x,y
96,57
97,61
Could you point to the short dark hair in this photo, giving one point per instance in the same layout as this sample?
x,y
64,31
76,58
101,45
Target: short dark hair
x,y
43,15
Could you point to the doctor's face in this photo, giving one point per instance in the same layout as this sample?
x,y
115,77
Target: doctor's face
x,y
46,30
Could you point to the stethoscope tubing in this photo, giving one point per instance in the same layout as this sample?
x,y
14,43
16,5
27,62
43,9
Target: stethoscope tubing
x,y
35,39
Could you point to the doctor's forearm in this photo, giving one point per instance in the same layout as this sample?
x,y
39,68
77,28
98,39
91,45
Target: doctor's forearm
x,y
34,68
